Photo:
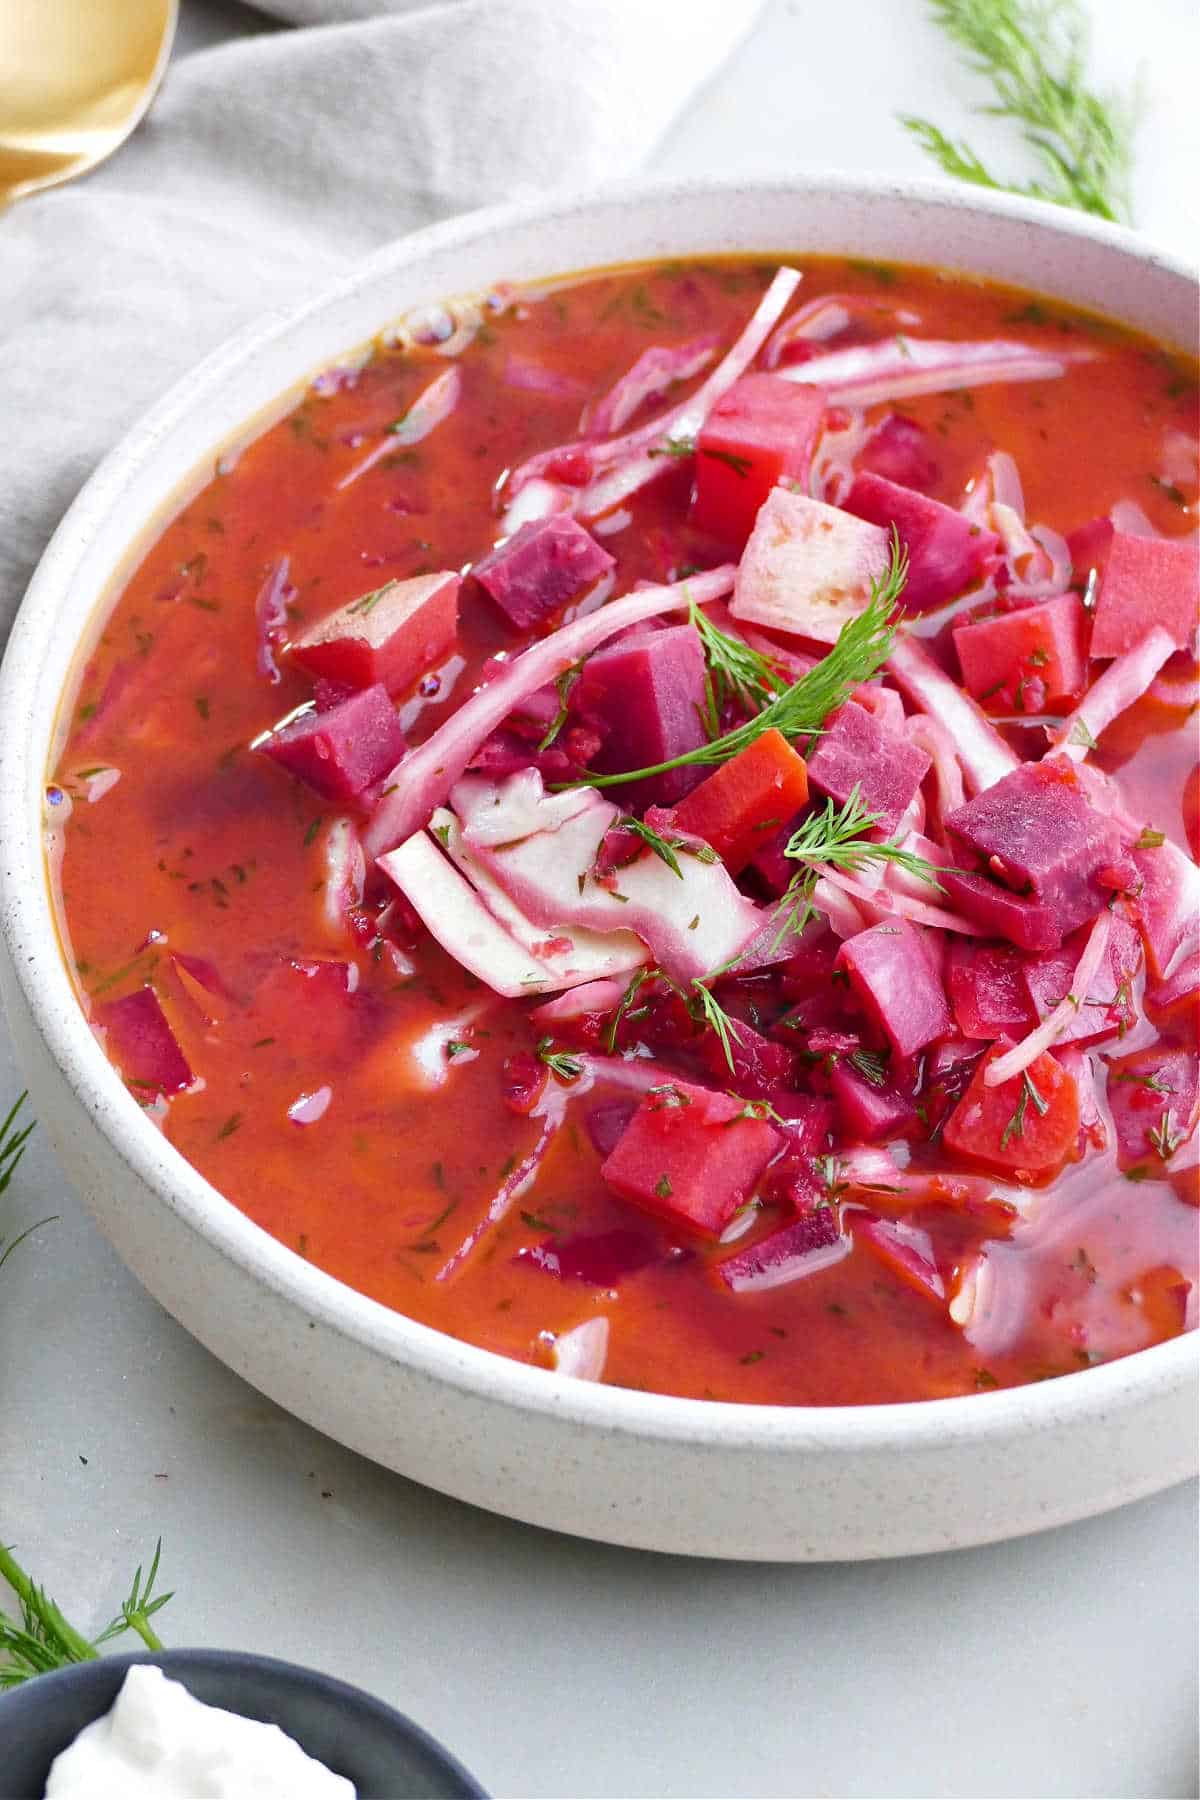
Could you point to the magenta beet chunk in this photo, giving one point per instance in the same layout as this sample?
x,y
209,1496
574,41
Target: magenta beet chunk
x,y
869,1114
805,1121
1154,1096
799,1249
1037,833
1108,1007
988,994
771,867
605,1124
689,1156
1030,924
646,696
599,1259
1165,899
793,1181
141,1043
902,452
894,970
1139,582
540,567
760,1065
856,750
946,553
342,751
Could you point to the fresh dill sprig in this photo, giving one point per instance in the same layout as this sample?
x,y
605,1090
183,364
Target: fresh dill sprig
x,y
564,683
665,848
734,672
566,1068
1034,53
800,710
836,838
43,1638
13,1140
704,1007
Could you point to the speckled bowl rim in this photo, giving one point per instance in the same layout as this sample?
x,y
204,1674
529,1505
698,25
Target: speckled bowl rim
x,y
26,920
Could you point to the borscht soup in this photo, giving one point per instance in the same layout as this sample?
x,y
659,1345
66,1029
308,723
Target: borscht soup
x,y
650,824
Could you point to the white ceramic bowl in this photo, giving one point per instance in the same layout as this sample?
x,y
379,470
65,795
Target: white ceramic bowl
x,y
633,1468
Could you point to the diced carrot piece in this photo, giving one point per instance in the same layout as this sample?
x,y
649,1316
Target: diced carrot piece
x,y
1026,1127
761,432
1026,660
393,635
738,806
691,1156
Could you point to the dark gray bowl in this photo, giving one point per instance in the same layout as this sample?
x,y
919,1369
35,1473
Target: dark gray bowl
x,y
384,1754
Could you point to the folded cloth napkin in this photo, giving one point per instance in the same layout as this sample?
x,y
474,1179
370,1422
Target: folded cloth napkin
x,y
270,162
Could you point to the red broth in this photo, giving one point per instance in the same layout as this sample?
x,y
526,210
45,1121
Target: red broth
x,y
367,1129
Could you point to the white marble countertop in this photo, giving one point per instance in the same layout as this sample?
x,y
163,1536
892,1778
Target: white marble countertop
x,y
1059,1665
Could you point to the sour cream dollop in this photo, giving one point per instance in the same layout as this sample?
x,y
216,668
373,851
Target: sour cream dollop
x,y
158,1742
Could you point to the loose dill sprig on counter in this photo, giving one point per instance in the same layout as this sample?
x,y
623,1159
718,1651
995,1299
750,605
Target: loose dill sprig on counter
x,y
13,1139
42,1638
836,838
799,709
1034,53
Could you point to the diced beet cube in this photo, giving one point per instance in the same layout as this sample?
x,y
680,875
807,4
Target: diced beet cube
x,y
522,1081
690,1156
1174,1004
772,868
1140,582
762,431
140,1041
1037,833
599,1259
810,965
894,970
646,696
746,801
391,636
806,1123
988,994
905,1249
1154,1096
540,568
1026,1127
605,1124
793,1181
760,1065
901,451
1165,901
1108,1008
811,1243
869,1113
342,751
855,750
946,552
808,568
1030,924
1003,658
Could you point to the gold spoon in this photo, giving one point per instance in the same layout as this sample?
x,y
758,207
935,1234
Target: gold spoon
x,y
76,76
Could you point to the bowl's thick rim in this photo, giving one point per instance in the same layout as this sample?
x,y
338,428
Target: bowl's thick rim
x,y
33,946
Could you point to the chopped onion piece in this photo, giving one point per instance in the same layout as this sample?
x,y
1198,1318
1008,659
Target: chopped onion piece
x,y
982,752
425,776
900,367
682,421
1125,680
1016,1060
583,1351
432,405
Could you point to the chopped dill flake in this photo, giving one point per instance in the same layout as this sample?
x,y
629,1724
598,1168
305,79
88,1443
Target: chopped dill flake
x,y
663,1188
561,1066
230,1126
